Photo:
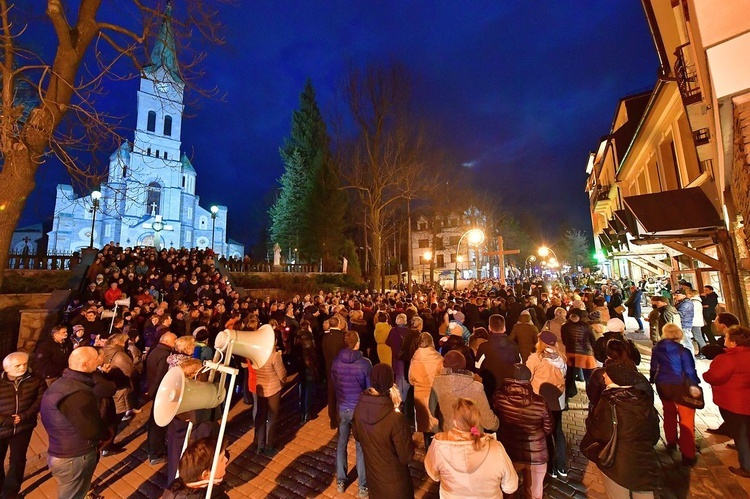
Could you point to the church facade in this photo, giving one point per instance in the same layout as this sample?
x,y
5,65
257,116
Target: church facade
x,y
149,197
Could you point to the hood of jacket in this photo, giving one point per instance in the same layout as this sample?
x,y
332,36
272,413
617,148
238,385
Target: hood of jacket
x,y
520,393
372,409
552,356
458,379
349,356
459,453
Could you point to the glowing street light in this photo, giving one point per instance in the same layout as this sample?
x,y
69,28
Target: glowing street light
x,y
476,237
214,211
95,197
426,257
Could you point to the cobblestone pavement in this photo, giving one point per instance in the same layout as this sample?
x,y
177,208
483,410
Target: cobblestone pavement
x,y
305,465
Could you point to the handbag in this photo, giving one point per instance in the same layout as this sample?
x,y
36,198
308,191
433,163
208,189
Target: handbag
x,y
620,309
687,398
603,454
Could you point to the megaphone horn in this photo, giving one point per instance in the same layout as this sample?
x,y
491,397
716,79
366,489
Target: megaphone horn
x,y
178,394
254,345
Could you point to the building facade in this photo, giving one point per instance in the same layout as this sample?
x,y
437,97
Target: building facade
x,y
662,184
149,198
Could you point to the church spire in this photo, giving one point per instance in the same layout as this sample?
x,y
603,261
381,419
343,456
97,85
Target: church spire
x,y
164,53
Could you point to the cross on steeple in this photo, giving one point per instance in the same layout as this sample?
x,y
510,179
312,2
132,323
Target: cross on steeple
x,y
501,253
153,209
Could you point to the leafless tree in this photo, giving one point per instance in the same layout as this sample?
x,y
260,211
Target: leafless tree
x,y
58,113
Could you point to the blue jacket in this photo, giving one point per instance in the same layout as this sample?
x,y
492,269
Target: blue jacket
x,y
671,363
687,311
351,376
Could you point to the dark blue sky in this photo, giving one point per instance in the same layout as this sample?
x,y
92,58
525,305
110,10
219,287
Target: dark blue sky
x,y
521,90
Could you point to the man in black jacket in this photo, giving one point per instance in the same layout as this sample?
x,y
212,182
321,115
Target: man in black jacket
x,y
52,354
70,414
156,369
20,397
495,357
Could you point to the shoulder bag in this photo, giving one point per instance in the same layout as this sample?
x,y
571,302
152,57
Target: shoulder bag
x,y
603,454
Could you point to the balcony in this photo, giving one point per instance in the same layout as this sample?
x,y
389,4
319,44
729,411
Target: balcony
x,y
702,136
600,200
687,76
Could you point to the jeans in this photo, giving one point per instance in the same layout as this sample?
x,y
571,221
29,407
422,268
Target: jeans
x,y
617,491
739,429
533,478
306,393
265,421
698,335
558,447
73,474
18,443
403,387
687,427
342,460
639,321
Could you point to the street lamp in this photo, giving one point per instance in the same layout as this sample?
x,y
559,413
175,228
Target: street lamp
x,y
527,267
476,237
214,211
95,197
426,257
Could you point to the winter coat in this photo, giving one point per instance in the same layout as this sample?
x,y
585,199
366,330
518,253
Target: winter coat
x,y
120,372
635,465
156,367
452,384
307,354
600,347
271,377
548,377
729,376
351,376
387,447
381,335
579,344
332,344
525,335
555,326
671,363
467,473
425,366
698,320
686,310
525,422
395,340
52,357
497,356
22,397
633,303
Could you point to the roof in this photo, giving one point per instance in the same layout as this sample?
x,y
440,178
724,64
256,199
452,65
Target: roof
x,y
123,151
31,228
677,212
164,53
187,166
635,106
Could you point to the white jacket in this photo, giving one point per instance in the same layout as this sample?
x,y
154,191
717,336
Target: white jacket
x,y
468,474
698,320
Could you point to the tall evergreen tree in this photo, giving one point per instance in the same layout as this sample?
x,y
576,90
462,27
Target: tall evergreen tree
x,y
309,211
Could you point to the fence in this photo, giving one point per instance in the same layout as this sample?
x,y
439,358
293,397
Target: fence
x,y
32,261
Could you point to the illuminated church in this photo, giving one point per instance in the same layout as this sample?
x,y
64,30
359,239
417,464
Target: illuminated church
x,y
149,197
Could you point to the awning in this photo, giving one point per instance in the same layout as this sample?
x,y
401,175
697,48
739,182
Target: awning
x,y
681,212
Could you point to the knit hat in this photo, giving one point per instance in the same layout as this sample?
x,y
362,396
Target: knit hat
x,y
548,337
454,360
615,325
381,377
622,375
595,316
521,372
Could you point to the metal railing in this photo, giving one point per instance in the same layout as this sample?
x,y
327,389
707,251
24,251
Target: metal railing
x,y
687,75
31,261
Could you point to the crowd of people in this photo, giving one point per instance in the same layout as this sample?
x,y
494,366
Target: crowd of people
x,y
483,376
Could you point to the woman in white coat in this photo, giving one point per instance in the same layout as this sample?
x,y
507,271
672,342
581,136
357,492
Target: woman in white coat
x,y
467,462
698,320
548,368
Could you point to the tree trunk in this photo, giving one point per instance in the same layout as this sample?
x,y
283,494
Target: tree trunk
x,y
408,244
17,181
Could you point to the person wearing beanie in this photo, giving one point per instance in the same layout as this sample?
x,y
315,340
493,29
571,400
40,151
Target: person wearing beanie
x,y
615,331
601,309
383,434
524,334
635,466
524,423
555,324
467,462
455,381
548,369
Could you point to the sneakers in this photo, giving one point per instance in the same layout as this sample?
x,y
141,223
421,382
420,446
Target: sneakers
x,y
340,486
552,473
157,460
363,492
563,472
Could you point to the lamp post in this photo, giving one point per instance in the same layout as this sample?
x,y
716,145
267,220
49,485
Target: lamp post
x,y
214,211
95,197
476,237
544,252
426,257
527,267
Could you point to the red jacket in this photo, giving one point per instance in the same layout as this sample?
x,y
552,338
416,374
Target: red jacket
x,y
729,376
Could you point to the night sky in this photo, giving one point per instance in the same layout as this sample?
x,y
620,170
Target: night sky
x,y
520,91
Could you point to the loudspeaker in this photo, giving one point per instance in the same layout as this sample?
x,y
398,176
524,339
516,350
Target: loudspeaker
x,y
123,302
254,345
178,394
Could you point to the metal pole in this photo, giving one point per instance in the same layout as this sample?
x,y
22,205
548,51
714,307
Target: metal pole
x,y
455,270
213,230
93,221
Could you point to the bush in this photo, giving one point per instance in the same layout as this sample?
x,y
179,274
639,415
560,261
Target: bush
x,y
297,283
35,282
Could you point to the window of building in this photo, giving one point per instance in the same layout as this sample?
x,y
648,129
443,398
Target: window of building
x,y
168,126
203,222
190,213
188,236
107,231
653,177
438,243
422,226
424,243
153,199
151,125
453,257
692,164
642,183
441,260
157,153
184,180
148,152
669,171
165,155
454,240
124,171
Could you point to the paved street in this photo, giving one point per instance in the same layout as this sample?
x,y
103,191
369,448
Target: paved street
x,y
305,465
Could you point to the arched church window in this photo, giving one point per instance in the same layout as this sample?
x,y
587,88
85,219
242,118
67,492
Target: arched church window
x,y
165,155
124,171
148,152
168,126
153,199
151,125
